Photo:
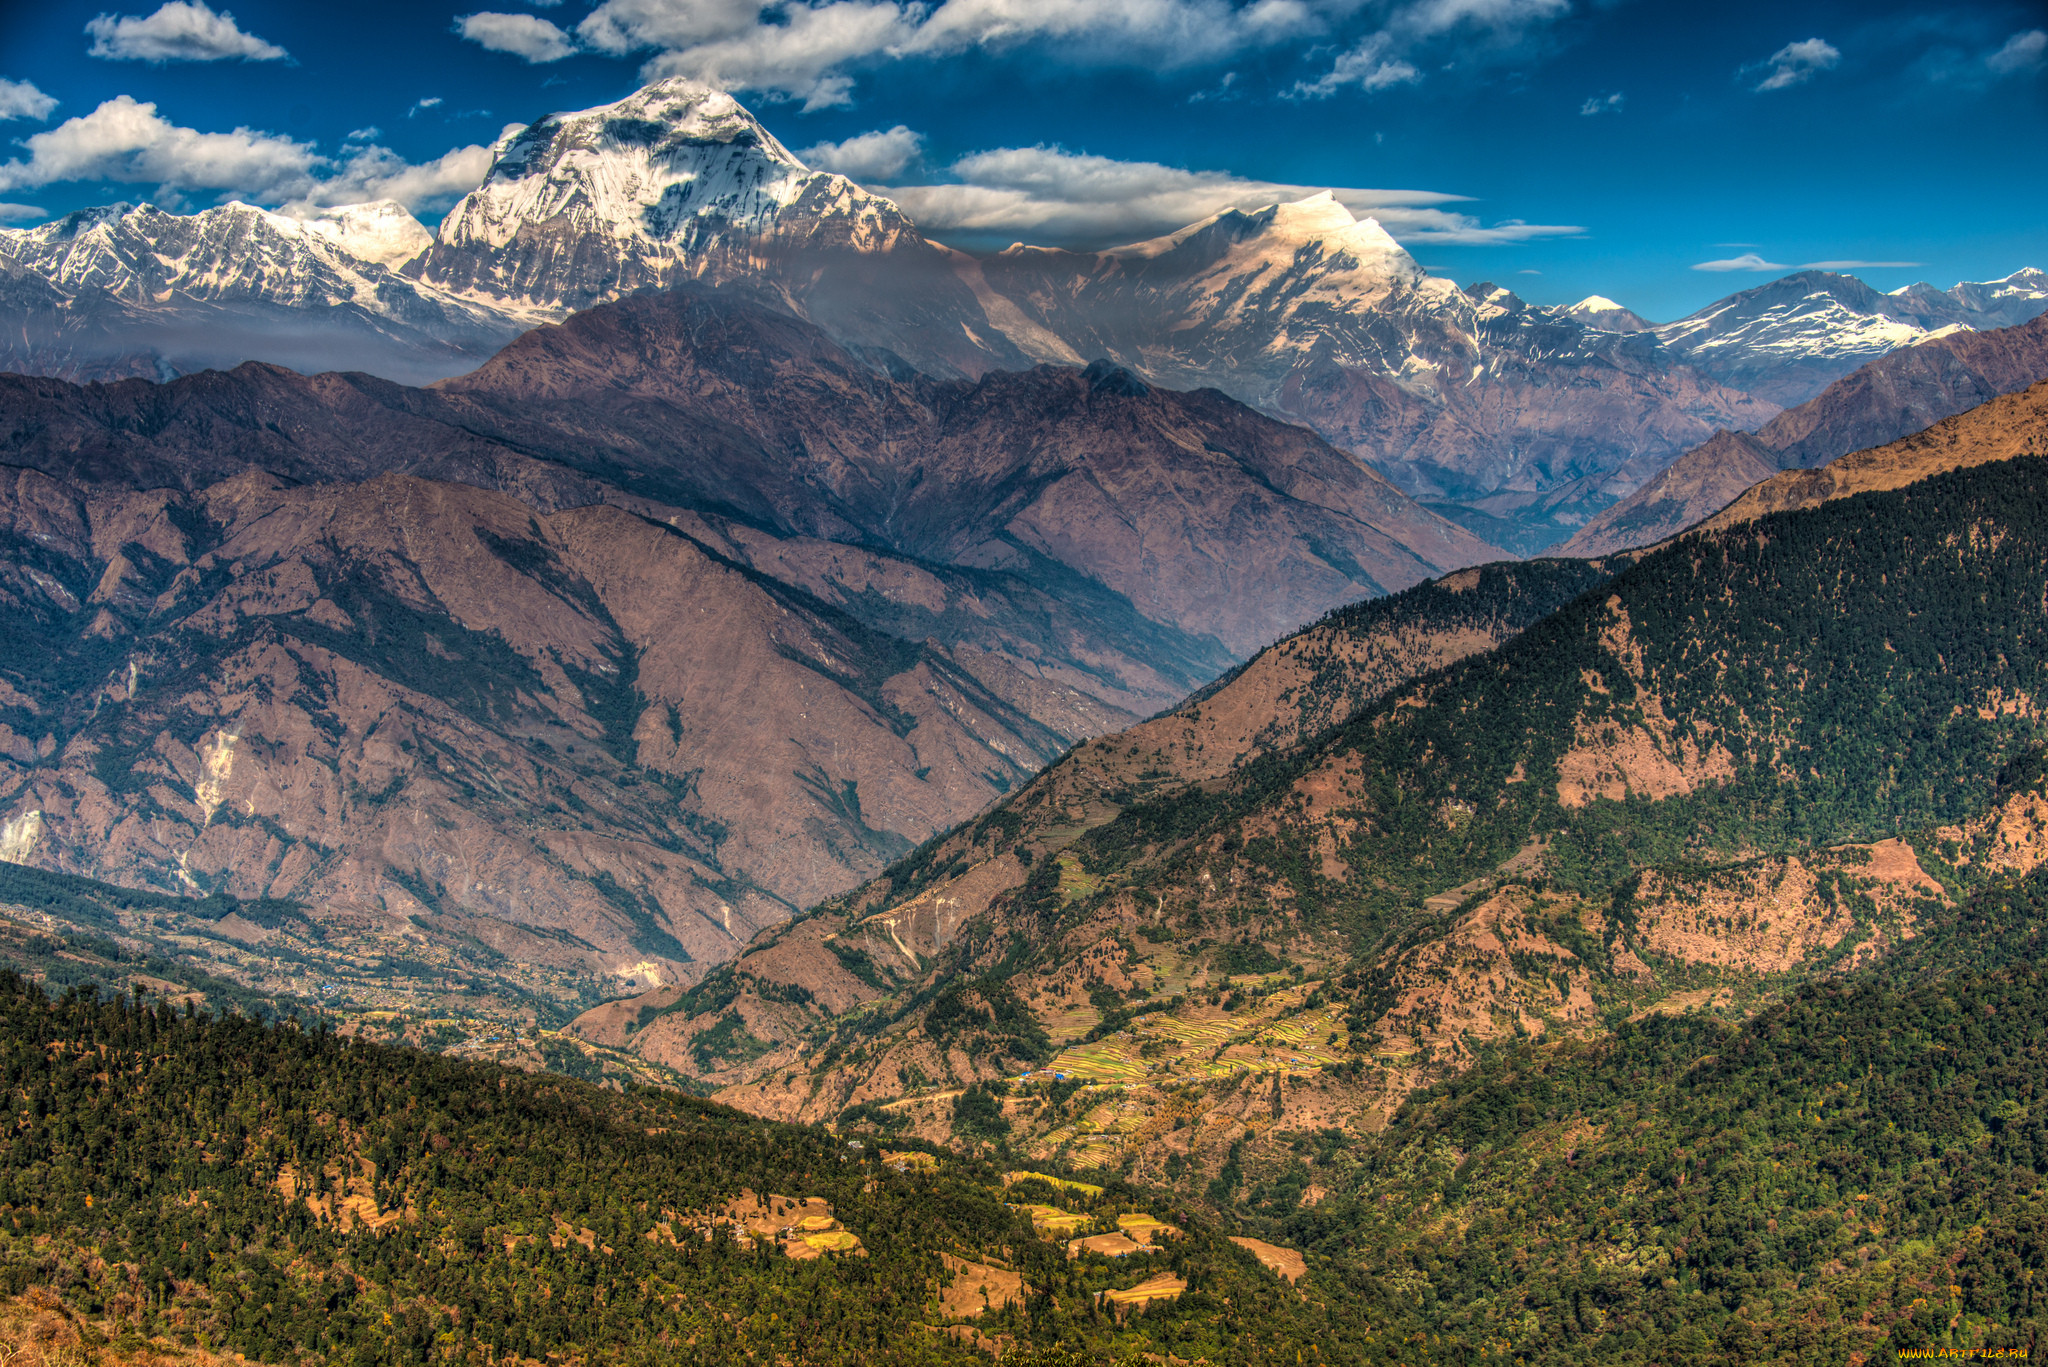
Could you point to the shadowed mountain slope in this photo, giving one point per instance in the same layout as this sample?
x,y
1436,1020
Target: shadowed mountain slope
x,y
1291,693
2010,426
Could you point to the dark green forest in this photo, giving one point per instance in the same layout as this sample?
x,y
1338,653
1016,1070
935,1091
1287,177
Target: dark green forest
x,y
140,1179
1857,1169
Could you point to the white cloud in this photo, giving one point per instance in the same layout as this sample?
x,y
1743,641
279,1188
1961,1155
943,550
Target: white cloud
x,y
20,213
796,59
369,134
380,173
423,104
2022,52
1429,17
1748,261
1382,59
178,32
522,35
1603,104
623,26
1047,194
1171,32
1860,265
21,100
877,156
798,49
1796,63
126,141
1369,66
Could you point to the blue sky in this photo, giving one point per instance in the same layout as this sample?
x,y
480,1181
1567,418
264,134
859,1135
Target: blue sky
x,y
1561,147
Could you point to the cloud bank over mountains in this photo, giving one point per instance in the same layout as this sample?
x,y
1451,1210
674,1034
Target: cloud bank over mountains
x,y
1044,193
1361,93
1051,194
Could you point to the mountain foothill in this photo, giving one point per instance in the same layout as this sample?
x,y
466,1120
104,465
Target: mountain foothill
x,y
1222,799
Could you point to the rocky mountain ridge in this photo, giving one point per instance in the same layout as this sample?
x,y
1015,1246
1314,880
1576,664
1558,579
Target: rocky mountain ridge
x,y
1519,421
125,291
1787,340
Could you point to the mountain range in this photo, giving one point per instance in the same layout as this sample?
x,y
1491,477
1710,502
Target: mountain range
x,y
574,671
1532,801
1048,747
1519,421
660,626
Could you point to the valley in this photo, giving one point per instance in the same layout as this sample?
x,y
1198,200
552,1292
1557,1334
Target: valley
x,y
1199,965
672,766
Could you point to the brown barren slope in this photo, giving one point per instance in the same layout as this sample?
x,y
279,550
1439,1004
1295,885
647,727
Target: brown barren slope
x,y
571,662
580,738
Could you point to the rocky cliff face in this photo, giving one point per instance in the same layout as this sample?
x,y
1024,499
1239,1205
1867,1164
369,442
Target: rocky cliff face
x,y
1900,393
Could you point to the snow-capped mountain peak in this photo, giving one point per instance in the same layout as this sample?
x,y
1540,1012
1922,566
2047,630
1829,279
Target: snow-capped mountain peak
x,y
676,181
1599,312
144,255
643,166
1789,338
1317,232
2006,302
383,231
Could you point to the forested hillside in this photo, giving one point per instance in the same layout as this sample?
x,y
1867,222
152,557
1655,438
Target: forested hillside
x,y
1856,1171
1691,790
184,1180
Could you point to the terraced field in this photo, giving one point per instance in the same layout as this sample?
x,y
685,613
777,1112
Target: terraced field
x,y
1130,1075
1076,882
1205,1042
